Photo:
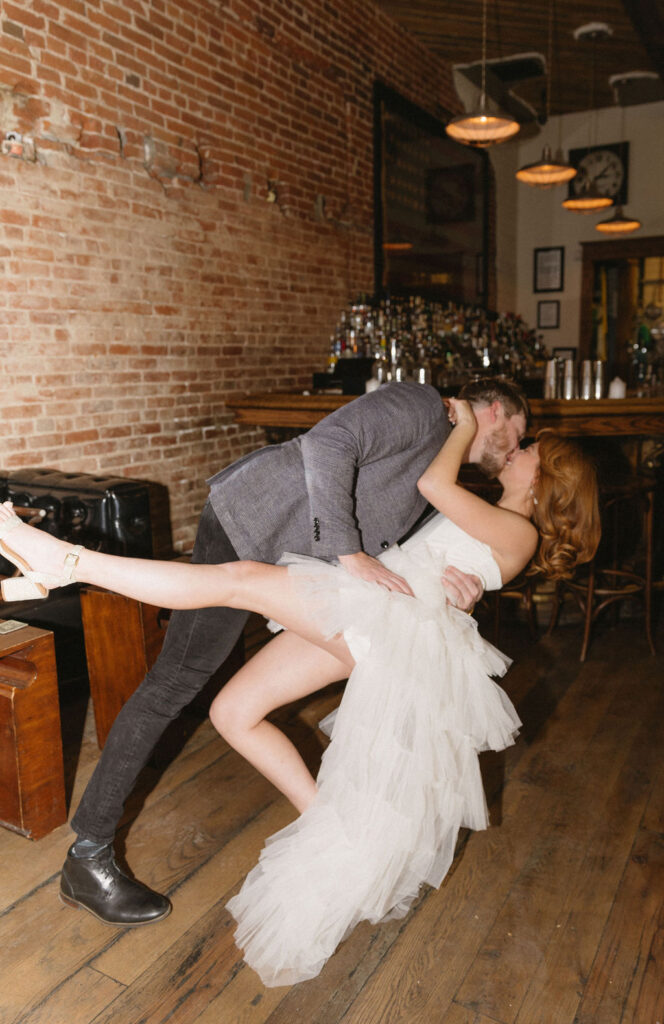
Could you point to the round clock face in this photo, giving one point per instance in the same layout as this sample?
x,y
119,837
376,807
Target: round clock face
x,y
602,170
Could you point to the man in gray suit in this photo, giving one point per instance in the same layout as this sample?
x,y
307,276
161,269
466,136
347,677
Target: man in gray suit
x,y
345,490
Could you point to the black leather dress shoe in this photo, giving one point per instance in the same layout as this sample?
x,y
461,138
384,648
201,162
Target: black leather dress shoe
x,y
97,884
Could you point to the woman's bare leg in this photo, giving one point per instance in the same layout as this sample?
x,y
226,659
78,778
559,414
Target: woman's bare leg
x,y
289,667
284,670
255,586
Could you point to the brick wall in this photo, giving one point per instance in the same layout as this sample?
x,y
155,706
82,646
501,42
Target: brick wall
x,y
145,276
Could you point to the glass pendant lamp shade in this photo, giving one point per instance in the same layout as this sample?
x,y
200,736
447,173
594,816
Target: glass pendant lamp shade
x,y
619,224
481,128
589,201
548,171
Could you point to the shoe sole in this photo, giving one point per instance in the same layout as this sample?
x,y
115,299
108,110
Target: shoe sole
x,y
75,905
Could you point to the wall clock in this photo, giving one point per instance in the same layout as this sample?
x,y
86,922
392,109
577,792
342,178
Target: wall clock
x,y
603,167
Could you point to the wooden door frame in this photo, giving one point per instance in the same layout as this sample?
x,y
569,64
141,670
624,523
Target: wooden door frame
x,y
595,252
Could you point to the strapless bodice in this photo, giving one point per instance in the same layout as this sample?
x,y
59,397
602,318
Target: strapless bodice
x,y
440,542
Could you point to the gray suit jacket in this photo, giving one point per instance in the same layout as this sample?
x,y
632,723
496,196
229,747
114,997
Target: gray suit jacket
x,y
349,484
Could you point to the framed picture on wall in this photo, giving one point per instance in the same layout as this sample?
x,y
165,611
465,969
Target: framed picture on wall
x,y
548,314
548,269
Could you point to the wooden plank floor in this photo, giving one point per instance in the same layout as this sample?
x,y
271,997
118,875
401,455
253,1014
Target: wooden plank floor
x,y
553,916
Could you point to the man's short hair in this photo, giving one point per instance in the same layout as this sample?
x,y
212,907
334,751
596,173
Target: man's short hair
x,y
490,390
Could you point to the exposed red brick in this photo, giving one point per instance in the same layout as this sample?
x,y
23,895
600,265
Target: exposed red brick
x,y
141,288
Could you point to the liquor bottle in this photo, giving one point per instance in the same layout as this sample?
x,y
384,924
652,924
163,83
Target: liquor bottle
x,y
442,341
333,354
422,371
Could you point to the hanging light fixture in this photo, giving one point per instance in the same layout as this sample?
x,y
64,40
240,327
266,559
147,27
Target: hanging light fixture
x,y
481,128
589,199
618,224
548,170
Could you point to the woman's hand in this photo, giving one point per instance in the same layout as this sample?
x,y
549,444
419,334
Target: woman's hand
x,y
463,589
460,413
372,570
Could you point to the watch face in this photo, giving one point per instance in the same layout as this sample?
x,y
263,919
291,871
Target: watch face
x,y
603,168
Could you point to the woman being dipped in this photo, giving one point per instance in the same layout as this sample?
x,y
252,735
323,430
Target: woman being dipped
x,y
401,775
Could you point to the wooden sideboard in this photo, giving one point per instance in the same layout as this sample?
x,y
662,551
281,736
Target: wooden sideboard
x,y
32,779
627,417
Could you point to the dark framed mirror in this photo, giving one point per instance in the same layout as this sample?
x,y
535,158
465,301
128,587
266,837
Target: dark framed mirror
x,y
430,206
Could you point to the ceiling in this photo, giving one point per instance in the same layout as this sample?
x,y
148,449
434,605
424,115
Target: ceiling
x,y
453,30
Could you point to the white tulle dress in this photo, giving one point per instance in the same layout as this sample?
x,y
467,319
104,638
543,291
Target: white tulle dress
x,y
401,774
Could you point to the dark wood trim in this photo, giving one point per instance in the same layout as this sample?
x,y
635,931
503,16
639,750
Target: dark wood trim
x,y
624,248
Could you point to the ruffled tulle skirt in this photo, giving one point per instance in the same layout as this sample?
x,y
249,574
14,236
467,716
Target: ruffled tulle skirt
x,y
399,778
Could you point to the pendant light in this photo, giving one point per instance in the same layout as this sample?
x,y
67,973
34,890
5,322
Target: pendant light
x,y
482,128
549,170
619,224
590,199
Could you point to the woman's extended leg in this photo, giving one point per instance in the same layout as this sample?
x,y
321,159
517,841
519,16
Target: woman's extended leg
x,y
253,586
290,666
284,670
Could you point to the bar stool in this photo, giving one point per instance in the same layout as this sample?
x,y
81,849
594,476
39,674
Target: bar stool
x,y
612,576
520,589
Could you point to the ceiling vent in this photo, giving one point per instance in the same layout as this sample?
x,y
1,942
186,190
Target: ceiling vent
x,y
520,67
632,87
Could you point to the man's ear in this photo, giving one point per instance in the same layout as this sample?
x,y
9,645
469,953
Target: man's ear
x,y
495,410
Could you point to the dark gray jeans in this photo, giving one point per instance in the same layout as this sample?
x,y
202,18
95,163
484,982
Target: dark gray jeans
x,y
196,644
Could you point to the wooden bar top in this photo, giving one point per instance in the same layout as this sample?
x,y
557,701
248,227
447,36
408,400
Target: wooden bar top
x,y
626,417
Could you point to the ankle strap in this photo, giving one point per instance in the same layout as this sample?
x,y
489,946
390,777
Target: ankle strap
x,y
70,563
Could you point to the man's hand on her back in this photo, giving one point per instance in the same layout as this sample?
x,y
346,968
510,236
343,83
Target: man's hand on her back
x,y
372,570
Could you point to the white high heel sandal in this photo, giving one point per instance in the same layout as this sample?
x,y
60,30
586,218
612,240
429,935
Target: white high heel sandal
x,y
32,585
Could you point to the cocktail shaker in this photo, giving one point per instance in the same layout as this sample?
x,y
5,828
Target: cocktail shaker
x,y
569,380
551,379
586,389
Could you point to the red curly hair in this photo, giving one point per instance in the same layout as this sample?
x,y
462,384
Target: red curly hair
x,y
567,510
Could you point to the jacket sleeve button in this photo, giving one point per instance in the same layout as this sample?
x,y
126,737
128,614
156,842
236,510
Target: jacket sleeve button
x,y
384,544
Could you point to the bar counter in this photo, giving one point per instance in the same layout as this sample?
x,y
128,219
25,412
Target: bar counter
x,y
622,417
